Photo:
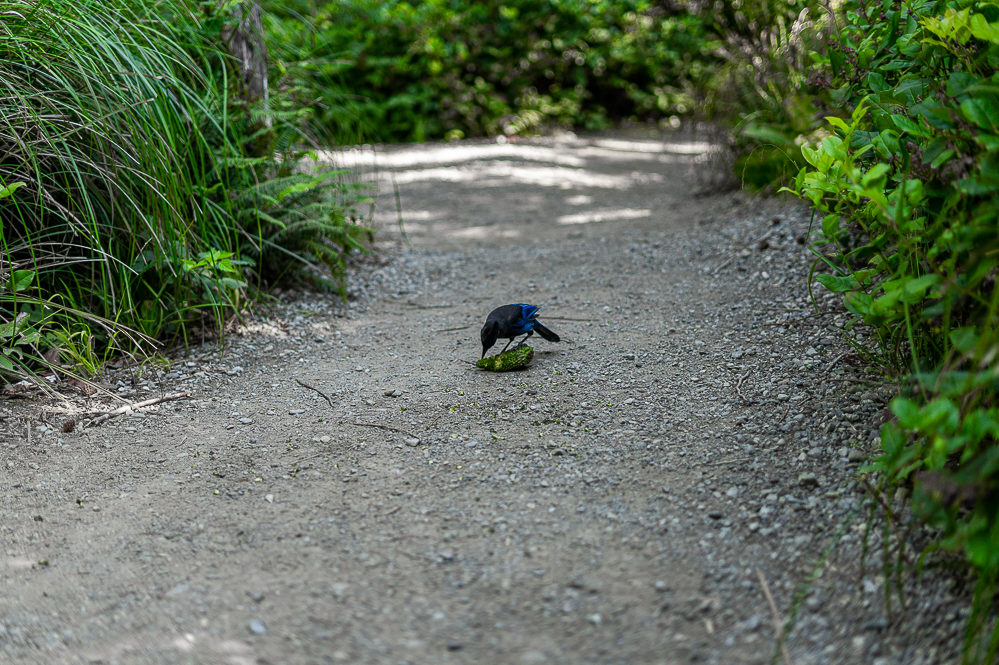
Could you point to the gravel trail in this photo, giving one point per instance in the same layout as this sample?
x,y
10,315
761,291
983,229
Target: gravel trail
x,y
344,486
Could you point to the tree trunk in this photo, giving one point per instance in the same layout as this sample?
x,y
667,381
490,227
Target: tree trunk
x,y
243,37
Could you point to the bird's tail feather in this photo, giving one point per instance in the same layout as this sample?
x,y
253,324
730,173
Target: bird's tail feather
x,y
546,333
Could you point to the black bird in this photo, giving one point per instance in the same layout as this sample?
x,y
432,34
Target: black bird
x,y
511,321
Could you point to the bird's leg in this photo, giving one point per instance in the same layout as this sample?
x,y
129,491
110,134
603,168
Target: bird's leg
x,y
523,341
508,343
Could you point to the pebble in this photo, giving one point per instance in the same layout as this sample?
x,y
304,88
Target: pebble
x,y
257,627
808,480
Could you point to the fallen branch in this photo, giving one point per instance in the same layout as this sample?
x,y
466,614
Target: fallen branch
x,y
304,384
836,360
778,626
738,386
128,408
731,258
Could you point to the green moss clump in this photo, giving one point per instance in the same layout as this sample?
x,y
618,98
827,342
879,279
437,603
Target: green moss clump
x,y
504,362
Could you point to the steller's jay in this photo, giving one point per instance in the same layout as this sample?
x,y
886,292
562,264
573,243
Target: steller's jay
x,y
511,321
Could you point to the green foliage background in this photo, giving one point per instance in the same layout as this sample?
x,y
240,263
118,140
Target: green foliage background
x,y
392,70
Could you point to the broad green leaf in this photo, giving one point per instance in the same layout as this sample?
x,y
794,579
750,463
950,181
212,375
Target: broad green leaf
x,y
875,174
830,226
838,123
942,158
982,29
21,280
907,125
981,112
917,287
964,339
838,284
941,414
10,189
907,412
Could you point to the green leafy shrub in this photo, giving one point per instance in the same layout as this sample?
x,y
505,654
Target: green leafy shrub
x,y
129,208
444,68
759,84
908,192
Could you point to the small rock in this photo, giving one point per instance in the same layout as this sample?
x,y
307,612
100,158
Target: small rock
x,y
246,421
453,645
595,619
295,412
808,480
411,441
257,627
715,514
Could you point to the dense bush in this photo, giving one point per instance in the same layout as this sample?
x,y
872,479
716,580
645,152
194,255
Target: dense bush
x,y
759,87
128,206
907,187
392,70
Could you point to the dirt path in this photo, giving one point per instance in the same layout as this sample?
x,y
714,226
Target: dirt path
x,y
634,496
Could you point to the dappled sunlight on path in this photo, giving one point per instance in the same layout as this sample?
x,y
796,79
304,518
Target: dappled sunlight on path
x,y
535,180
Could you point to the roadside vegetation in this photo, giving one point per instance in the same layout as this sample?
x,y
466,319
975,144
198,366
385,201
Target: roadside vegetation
x,y
135,201
146,196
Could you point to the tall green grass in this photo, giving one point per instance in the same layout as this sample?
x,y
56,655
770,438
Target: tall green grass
x,y
129,210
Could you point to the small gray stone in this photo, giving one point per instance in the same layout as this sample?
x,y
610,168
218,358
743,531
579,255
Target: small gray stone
x,y
808,480
257,627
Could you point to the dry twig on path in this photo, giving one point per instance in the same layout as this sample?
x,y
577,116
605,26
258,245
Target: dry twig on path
x,y
778,626
738,386
303,383
836,360
134,407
